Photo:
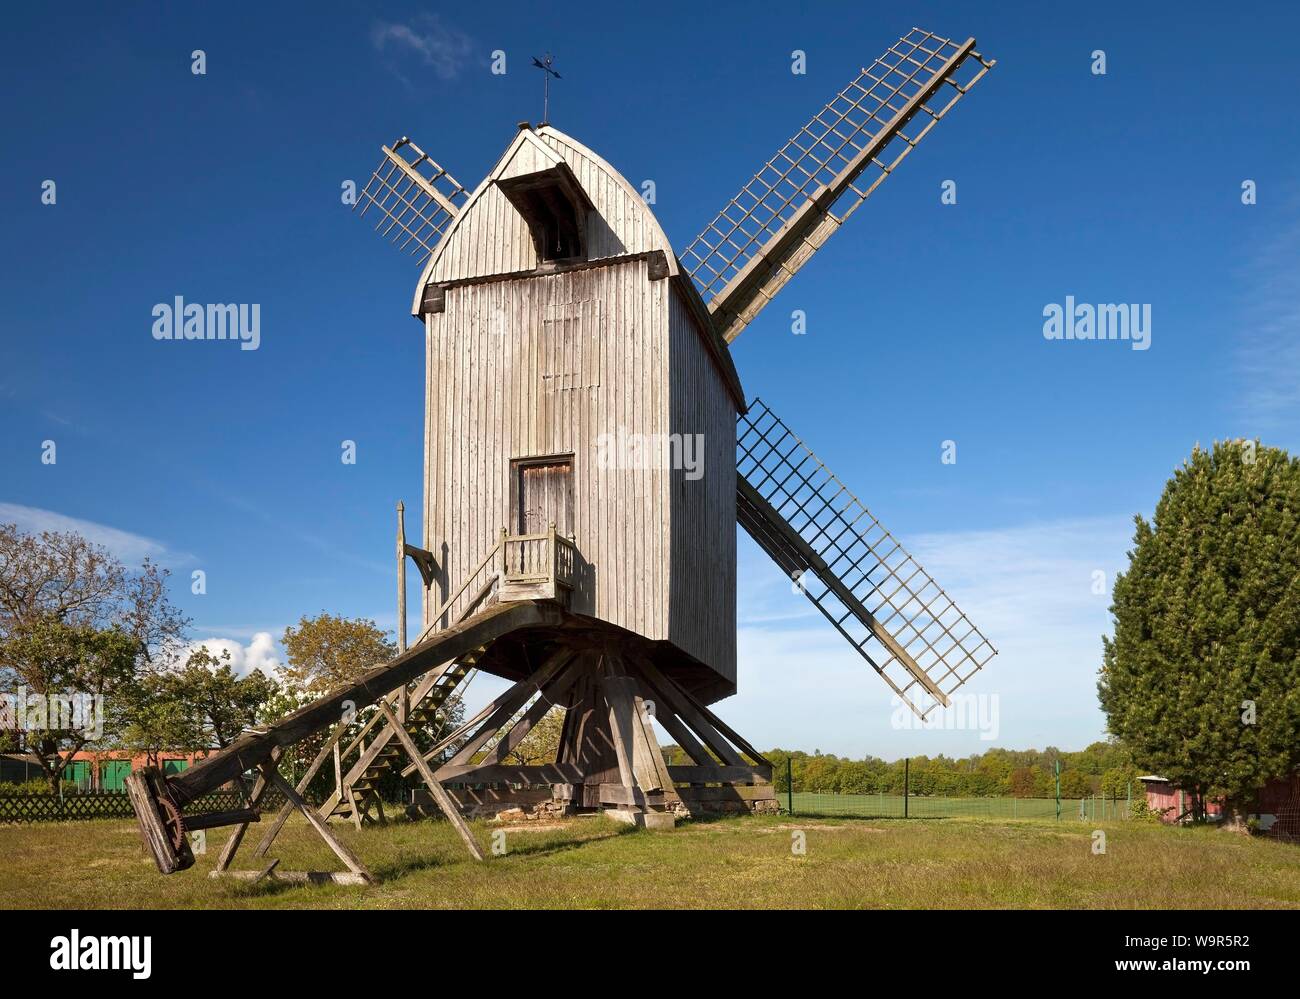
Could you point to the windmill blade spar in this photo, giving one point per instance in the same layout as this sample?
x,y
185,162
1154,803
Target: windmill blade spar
x,y
415,199
865,583
818,179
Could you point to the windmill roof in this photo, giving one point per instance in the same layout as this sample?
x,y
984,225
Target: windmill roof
x,y
632,228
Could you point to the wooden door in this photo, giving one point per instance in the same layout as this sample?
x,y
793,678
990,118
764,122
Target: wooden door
x,y
544,496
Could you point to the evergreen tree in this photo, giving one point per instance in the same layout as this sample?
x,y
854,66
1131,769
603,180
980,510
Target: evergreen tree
x,y
1202,678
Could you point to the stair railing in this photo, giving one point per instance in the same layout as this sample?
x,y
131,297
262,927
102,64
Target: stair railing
x,y
358,740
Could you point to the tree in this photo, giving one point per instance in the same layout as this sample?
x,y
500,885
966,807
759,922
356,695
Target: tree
x,y
1202,677
157,721
542,743
326,652
1023,783
78,668
1075,784
75,622
220,702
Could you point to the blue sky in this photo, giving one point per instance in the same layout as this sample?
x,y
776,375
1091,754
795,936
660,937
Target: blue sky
x,y
924,320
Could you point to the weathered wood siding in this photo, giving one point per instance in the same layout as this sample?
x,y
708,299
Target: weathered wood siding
x,y
548,364
702,608
498,391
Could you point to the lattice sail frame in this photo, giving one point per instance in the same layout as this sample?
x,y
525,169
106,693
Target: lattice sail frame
x,y
820,177
415,197
893,587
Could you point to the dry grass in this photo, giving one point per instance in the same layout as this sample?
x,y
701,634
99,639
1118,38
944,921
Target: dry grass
x,y
745,862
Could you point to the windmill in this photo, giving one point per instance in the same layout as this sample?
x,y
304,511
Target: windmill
x,y
589,451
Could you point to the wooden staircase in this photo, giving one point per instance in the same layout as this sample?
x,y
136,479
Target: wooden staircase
x,y
379,759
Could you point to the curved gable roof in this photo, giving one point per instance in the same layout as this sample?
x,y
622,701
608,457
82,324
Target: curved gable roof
x,y
489,236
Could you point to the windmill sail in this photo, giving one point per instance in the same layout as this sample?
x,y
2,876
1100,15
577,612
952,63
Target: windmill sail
x,y
819,178
414,198
865,583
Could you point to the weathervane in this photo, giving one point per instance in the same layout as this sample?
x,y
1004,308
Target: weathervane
x,y
547,73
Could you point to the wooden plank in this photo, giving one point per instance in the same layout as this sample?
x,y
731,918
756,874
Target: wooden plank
x,y
690,713
287,808
726,730
439,793
153,831
721,775
349,878
507,704
253,748
236,837
350,859
635,738
675,727
505,797
621,794
548,697
476,773
732,792
215,820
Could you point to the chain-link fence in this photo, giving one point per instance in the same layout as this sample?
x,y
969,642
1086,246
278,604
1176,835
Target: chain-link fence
x,y
898,806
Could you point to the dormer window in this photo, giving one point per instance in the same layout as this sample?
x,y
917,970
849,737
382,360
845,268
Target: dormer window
x,y
555,207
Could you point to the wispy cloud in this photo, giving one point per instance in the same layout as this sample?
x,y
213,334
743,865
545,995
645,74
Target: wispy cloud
x,y
130,548
444,49
1028,587
1269,348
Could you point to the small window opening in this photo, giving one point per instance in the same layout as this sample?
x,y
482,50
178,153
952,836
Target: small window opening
x,y
555,208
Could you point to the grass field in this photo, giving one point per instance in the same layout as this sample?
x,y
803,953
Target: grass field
x,y
738,862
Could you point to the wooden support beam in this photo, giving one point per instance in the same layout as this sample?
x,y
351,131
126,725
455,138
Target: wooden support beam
x,y
287,808
439,793
586,743
477,773
676,728
634,735
682,705
548,697
298,877
350,859
236,837
508,703
253,748
215,820
721,775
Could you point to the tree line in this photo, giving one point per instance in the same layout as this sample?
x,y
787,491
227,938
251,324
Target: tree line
x,y
1103,768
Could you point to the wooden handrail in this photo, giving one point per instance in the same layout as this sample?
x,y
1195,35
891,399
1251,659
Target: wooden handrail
x,y
433,620
377,717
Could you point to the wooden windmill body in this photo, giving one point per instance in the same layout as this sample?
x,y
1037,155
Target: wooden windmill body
x,y
544,372
570,356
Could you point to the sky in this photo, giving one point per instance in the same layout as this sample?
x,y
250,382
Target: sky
x,y
925,320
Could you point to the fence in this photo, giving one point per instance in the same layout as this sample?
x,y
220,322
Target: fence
x,y
898,806
1096,808
19,808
